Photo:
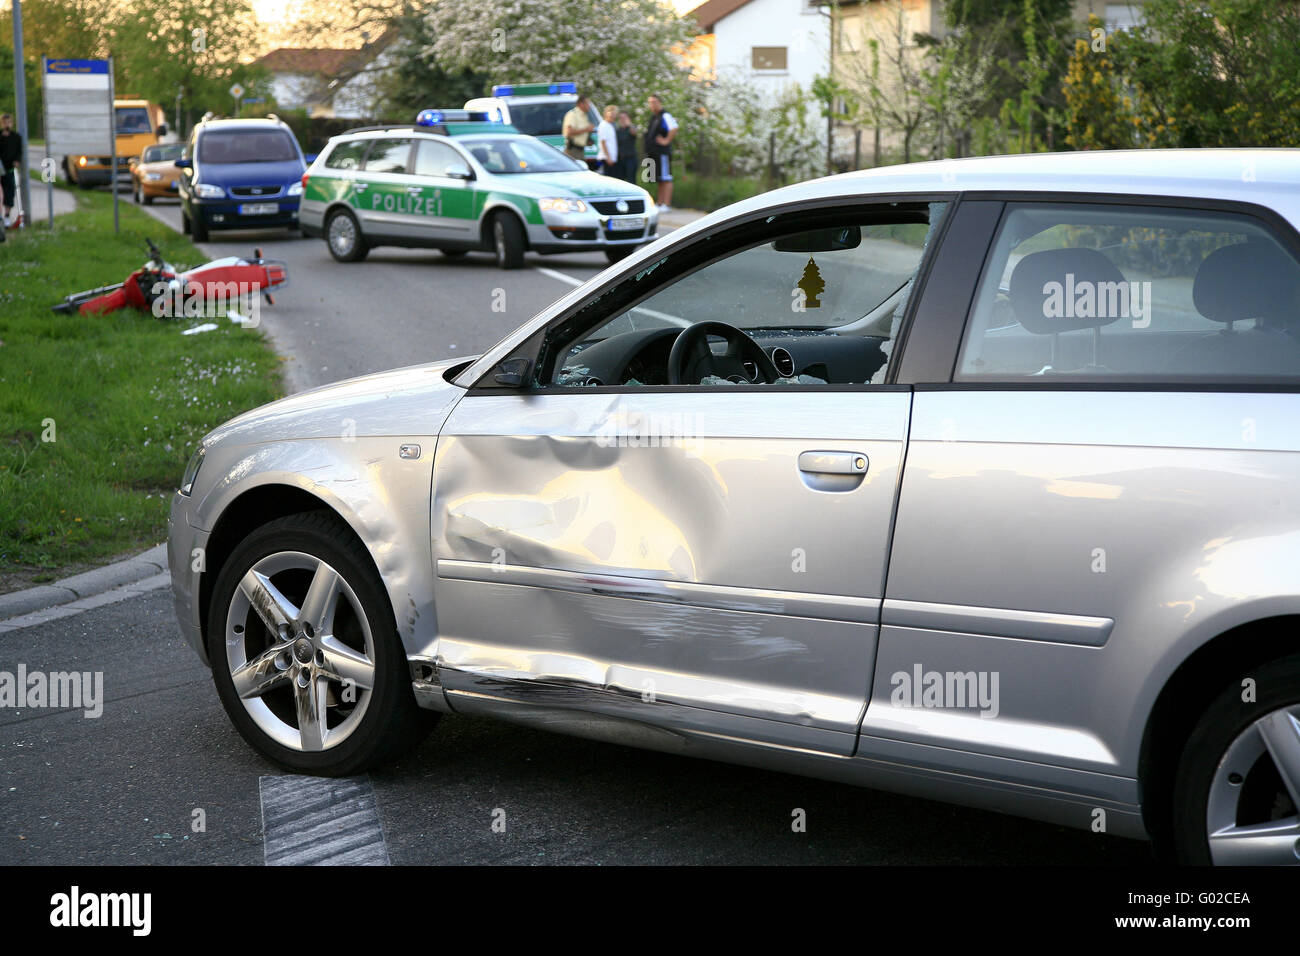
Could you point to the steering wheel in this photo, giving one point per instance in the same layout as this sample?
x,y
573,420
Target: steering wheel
x,y
691,358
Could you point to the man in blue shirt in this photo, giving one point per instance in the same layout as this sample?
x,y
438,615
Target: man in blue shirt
x,y
658,146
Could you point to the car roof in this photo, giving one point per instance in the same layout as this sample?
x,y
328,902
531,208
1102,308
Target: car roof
x,y
251,123
1267,177
455,131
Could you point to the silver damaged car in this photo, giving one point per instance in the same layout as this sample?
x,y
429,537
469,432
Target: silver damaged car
x,y
975,480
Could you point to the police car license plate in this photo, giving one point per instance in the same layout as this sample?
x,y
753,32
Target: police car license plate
x,y
259,209
625,223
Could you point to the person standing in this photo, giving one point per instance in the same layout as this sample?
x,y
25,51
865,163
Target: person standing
x,y
11,163
607,143
626,148
659,135
577,129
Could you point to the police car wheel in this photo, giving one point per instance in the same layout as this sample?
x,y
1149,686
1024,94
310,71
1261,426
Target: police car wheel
x,y
343,236
508,241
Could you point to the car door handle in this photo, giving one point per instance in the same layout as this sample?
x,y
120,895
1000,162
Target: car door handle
x,y
833,463
359,186
414,189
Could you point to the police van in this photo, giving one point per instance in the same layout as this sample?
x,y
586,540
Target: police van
x,y
463,181
538,109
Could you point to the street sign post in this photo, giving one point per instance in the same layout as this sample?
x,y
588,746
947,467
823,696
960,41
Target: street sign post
x,y
237,92
79,117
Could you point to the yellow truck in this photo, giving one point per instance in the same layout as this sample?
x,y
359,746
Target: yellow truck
x,y
137,127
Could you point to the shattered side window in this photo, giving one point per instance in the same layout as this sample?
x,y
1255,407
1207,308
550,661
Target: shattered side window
x,y
813,306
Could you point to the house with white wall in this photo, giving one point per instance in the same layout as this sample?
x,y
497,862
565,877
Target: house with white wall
x,y
773,43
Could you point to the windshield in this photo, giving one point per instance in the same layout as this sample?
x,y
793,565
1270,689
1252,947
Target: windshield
x,y
519,154
133,119
162,154
246,146
539,119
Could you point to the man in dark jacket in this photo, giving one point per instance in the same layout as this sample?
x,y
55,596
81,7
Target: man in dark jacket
x,y
659,135
11,159
626,134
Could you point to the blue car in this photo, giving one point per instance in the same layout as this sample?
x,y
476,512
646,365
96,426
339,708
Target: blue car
x,y
240,174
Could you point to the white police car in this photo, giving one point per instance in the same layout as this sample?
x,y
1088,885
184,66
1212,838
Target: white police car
x,y
460,181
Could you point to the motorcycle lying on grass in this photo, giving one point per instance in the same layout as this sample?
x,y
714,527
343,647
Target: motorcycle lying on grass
x,y
219,281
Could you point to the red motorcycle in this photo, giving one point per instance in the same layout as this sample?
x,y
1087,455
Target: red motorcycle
x,y
212,282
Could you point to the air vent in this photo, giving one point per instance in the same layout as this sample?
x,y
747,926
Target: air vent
x,y
783,361
751,370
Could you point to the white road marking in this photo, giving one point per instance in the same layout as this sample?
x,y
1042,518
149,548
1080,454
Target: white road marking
x,y
662,316
554,274
320,821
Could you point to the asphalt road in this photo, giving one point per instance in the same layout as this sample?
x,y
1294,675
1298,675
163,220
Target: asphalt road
x,y
398,307
124,787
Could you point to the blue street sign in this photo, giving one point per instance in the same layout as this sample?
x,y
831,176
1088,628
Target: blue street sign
x,y
76,66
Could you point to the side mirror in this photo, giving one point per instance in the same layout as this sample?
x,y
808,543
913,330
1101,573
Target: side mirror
x,y
512,372
459,171
311,158
184,163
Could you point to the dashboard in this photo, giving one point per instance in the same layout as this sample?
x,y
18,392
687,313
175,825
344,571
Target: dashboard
x,y
641,357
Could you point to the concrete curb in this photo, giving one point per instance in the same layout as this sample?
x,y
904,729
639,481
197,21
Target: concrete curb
x,y
89,584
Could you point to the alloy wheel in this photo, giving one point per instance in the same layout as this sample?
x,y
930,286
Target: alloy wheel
x,y
1252,813
300,651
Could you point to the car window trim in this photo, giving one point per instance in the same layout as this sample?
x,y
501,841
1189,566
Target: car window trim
x,y
529,348
1278,226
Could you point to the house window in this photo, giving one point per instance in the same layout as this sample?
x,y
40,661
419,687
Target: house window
x,y
768,58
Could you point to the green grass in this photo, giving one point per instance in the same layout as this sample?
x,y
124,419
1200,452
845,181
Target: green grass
x,y
707,193
125,396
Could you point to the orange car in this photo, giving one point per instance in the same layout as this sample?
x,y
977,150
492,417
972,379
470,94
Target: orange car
x,y
155,173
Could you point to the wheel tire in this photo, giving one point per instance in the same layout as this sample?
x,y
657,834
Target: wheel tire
x,y
383,722
619,253
1226,746
199,229
146,197
508,241
344,238
185,223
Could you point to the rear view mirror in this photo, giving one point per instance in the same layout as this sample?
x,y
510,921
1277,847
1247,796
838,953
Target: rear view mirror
x,y
821,240
459,171
183,163
512,372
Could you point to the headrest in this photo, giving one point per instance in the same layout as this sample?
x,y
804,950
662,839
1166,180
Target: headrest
x,y
1061,290
1250,280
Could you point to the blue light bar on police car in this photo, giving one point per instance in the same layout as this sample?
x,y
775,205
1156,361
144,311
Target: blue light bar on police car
x,y
438,117
503,90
